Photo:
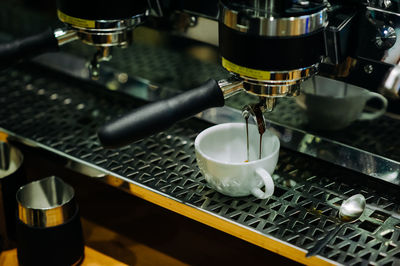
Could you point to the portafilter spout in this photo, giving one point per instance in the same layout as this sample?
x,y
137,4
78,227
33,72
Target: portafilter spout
x,y
265,104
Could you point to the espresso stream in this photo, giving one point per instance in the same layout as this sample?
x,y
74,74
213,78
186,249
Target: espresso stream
x,y
247,139
261,129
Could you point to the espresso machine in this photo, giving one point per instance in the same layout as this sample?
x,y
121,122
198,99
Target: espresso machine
x,y
267,49
255,40
270,47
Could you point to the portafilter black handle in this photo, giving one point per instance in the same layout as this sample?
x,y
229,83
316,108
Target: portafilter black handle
x,y
28,47
158,116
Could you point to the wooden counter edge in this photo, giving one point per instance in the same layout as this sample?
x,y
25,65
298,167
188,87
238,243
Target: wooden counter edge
x,y
92,258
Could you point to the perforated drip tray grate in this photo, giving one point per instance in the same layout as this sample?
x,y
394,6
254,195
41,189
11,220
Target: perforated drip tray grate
x,y
62,114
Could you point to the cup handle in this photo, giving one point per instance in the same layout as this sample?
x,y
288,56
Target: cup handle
x,y
268,183
378,113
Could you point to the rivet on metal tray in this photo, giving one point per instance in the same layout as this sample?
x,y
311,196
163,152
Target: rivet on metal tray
x,y
29,87
289,183
122,77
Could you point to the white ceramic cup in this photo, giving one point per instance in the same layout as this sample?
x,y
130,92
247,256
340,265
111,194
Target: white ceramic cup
x,y
221,153
332,105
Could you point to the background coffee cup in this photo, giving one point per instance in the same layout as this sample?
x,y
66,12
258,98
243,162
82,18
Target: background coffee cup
x,y
332,105
221,153
49,230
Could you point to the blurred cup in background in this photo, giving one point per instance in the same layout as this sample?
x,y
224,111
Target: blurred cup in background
x,y
333,105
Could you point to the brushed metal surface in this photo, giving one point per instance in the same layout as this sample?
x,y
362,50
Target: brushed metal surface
x,y
46,109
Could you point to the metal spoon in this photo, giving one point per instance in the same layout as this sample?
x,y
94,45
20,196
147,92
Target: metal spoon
x,y
350,210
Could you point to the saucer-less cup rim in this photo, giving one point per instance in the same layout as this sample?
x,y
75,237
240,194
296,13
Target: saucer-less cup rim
x,y
209,130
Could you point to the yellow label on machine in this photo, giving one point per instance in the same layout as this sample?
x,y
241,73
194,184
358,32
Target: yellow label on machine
x,y
77,22
244,71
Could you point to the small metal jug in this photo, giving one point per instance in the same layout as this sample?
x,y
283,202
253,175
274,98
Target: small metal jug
x,y
49,230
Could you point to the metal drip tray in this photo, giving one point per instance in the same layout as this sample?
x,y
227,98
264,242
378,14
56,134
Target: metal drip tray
x,y
57,113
